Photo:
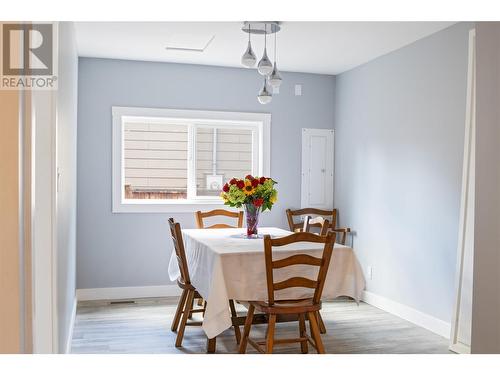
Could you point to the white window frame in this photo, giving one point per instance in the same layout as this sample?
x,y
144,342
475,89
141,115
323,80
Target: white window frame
x,y
260,122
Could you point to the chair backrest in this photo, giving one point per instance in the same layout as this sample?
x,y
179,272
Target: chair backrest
x,y
202,215
309,222
301,259
305,224
298,226
175,230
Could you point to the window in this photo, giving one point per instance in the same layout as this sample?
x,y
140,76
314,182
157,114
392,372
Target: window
x,y
176,160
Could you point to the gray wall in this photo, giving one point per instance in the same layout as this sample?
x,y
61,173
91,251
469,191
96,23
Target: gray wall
x,y
66,162
486,294
399,132
119,250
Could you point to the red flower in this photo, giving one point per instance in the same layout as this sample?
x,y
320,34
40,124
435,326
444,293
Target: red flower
x,y
233,181
225,188
262,180
258,202
240,184
255,183
249,177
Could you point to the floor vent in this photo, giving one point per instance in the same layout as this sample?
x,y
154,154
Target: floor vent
x,y
121,302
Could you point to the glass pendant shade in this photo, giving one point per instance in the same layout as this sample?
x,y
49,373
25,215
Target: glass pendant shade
x,y
275,77
248,59
264,96
265,66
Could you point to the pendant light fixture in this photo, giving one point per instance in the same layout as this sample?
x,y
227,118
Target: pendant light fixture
x,y
264,96
265,67
275,77
248,59
272,76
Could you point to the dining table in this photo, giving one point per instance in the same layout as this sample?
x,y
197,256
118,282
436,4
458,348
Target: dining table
x,y
225,264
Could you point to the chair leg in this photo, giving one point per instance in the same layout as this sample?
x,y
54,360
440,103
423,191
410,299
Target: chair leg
x,y
191,307
322,328
211,345
302,329
270,334
185,314
178,312
204,308
246,330
315,332
237,332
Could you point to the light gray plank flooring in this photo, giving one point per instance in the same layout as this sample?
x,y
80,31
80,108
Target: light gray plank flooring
x,y
144,327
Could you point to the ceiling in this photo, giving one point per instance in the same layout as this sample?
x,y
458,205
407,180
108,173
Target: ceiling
x,y
312,47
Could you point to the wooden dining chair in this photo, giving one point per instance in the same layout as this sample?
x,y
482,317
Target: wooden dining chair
x,y
239,224
325,228
316,222
304,308
297,226
202,215
189,293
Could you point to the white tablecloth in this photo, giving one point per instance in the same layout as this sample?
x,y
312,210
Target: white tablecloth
x,y
223,265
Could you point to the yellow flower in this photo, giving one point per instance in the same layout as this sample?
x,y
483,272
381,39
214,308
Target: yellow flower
x,y
274,197
224,196
248,189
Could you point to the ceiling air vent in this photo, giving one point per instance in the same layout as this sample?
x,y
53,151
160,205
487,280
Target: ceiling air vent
x,y
189,42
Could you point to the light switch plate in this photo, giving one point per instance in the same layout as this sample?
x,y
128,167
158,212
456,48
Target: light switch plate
x,y
298,90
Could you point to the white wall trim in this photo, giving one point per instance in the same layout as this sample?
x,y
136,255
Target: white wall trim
x,y
127,292
69,339
408,313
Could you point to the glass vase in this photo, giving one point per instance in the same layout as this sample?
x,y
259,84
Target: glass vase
x,y
252,215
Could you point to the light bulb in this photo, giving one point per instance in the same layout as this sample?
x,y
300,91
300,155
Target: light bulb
x,y
265,66
275,77
248,59
264,96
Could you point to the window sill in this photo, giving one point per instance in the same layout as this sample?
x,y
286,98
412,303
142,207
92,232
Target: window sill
x,y
162,206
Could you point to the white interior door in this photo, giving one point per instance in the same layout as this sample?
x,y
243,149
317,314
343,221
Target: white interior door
x,y
317,168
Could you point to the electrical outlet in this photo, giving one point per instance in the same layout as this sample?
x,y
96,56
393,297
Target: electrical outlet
x,y
298,90
369,272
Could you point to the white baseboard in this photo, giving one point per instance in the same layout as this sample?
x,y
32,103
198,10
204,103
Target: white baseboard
x,y
128,292
460,348
69,339
419,318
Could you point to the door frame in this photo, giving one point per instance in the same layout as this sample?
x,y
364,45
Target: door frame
x,y
468,164
44,229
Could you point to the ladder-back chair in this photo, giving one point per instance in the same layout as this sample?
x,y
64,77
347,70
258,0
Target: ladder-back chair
x,y
203,215
306,309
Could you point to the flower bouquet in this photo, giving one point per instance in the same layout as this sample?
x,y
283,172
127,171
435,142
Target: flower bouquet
x,y
255,194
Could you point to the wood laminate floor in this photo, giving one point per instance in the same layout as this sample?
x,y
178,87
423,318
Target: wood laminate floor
x,y
144,327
